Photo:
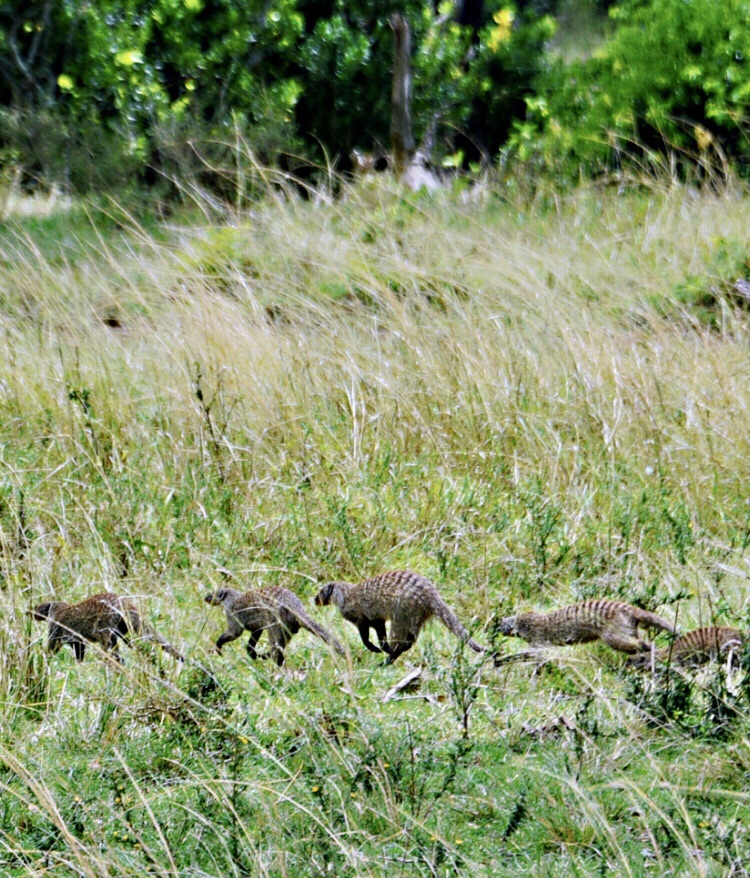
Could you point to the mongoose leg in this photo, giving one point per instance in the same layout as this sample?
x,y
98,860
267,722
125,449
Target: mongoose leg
x,y
379,626
114,637
279,637
234,630
252,643
399,647
226,637
402,638
364,633
79,650
624,643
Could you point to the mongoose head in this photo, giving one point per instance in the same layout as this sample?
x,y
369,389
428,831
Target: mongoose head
x,y
333,593
47,610
508,626
640,660
216,598
323,597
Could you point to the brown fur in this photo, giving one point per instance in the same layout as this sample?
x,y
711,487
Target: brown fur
x,y
275,610
614,622
695,648
103,619
406,600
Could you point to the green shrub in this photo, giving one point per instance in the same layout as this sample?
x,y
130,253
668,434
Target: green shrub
x,y
673,79
726,281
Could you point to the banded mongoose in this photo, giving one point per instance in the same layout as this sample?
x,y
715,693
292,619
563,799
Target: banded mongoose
x,y
614,622
695,648
103,619
406,600
275,610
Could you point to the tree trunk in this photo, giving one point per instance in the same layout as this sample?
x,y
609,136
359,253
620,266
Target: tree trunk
x,y
402,137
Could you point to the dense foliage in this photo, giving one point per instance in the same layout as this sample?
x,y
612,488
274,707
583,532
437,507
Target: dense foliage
x,y
672,79
155,82
194,92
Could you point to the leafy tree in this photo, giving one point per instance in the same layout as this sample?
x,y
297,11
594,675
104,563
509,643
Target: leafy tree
x,y
473,64
123,68
169,87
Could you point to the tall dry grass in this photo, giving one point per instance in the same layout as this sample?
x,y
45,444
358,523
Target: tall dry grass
x,y
508,398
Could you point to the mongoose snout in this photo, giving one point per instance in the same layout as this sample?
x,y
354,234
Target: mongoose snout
x,y
507,626
216,597
323,597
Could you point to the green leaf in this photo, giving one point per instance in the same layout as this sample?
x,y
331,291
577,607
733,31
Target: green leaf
x,y
129,57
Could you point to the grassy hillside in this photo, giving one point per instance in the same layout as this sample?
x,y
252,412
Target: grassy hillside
x,y
530,403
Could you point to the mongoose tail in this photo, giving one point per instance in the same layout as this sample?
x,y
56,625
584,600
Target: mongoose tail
x,y
133,624
294,606
454,625
319,631
651,620
148,633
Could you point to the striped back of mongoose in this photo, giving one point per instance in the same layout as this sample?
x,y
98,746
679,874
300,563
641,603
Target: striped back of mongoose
x,y
275,610
696,648
614,622
406,600
103,619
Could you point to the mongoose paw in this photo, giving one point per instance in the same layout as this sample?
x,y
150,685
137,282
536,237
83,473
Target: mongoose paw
x,y
498,659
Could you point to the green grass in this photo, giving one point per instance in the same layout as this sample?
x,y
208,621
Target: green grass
x,y
510,398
